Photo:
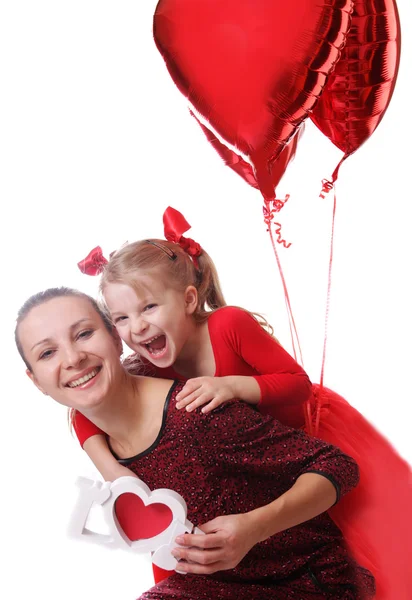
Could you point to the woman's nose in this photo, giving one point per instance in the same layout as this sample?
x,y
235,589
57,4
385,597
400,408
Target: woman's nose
x,y
73,356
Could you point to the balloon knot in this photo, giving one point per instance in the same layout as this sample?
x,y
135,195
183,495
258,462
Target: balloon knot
x,y
327,186
271,207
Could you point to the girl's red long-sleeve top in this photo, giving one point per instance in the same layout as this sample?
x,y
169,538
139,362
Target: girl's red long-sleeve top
x,y
242,347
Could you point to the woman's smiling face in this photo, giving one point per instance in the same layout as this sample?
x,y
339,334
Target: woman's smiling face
x,y
73,357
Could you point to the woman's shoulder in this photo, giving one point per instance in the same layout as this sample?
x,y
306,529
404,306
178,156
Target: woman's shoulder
x,y
161,386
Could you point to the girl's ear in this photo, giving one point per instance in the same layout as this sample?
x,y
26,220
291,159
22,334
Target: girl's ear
x,y
34,380
191,299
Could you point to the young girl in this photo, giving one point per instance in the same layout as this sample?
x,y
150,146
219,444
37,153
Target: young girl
x,y
225,353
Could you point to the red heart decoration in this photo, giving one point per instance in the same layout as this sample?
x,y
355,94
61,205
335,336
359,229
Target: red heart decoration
x,y
252,69
139,521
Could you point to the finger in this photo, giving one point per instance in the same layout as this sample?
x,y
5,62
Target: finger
x,y
194,401
210,527
187,399
197,569
200,557
208,541
186,391
212,405
199,401
190,386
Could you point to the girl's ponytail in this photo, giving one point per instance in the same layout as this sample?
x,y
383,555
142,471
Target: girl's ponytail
x,y
208,287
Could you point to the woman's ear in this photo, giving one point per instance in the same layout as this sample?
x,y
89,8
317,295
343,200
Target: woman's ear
x,y
191,299
31,376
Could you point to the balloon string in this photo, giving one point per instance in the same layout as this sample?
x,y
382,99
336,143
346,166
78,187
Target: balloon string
x,y
268,218
327,186
336,171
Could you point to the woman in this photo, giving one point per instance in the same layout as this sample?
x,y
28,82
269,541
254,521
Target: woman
x,y
258,489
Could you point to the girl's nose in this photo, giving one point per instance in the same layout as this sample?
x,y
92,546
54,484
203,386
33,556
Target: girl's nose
x,y
139,326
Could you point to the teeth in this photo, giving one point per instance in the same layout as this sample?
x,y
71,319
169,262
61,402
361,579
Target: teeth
x,y
82,380
156,352
147,342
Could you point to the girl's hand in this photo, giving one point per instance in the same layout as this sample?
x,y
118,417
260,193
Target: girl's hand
x,y
228,539
212,391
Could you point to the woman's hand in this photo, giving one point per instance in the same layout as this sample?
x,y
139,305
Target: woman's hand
x,y
228,539
209,391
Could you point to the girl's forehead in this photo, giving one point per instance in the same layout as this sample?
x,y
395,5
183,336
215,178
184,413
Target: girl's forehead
x,y
142,286
149,285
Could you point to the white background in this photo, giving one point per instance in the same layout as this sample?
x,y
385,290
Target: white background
x,y
95,142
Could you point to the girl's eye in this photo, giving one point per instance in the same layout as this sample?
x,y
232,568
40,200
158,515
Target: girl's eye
x,y
85,334
119,319
45,354
149,306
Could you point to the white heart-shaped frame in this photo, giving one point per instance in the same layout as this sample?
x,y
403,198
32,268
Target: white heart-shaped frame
x,y
105,494
171,499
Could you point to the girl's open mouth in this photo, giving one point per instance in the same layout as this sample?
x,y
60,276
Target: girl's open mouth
x,y
156,346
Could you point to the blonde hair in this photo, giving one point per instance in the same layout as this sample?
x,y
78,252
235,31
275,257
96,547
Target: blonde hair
x,y
176,269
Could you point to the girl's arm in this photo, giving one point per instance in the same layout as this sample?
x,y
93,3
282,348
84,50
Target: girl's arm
x,y
98,451
262,372
93,441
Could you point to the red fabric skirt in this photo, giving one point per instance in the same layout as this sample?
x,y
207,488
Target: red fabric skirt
x,y
376,517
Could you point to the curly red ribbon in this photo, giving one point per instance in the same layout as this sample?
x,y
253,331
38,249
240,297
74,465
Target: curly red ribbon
x,y
174,226
94,263
327,186
268,216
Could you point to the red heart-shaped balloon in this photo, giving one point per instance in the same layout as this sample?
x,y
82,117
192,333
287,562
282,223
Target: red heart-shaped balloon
x,y
243,168
140,521
359,90
252,69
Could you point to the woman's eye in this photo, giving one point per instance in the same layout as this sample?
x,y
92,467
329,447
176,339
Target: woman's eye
x,y
85,334
45,354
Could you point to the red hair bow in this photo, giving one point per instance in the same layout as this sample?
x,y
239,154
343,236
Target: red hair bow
x,y
94,263
175,225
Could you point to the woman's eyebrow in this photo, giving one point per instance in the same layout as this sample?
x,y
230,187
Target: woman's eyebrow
x,y
72,327
40,342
